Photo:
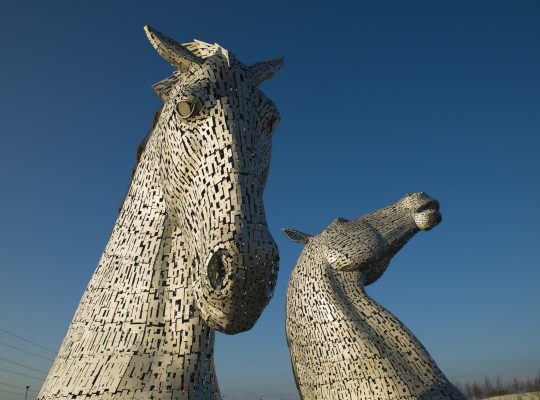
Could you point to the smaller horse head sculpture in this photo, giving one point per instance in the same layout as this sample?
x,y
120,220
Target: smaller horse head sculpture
x,y
343,344
367,244
214,136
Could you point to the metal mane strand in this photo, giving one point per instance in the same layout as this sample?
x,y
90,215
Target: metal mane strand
x,y
205,50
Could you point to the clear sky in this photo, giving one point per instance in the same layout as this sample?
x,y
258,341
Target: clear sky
x,y
377,99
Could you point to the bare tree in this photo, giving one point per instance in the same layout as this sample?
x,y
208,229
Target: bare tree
x,y
488,387
477,391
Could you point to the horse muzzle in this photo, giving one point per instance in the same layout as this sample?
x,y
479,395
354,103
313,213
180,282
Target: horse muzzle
x,y
237,282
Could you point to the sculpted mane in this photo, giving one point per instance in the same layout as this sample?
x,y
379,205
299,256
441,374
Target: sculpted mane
x,y
200,49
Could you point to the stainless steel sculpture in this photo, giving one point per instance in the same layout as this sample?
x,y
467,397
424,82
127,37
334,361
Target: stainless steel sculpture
x,y
343,344
190,251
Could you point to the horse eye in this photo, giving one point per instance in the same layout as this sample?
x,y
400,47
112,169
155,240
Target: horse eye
x,y
185,108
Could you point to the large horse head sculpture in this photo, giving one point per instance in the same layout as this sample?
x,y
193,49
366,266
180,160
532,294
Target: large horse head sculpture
x,y
215,138
190,251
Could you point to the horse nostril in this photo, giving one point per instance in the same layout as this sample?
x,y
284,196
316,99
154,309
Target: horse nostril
x,y
430,205
216,271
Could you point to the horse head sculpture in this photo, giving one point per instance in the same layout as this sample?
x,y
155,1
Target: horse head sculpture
x,y
368,243
215,132
343,344
190,252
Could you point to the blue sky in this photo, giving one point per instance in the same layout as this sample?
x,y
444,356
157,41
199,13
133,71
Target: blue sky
x,y
377,99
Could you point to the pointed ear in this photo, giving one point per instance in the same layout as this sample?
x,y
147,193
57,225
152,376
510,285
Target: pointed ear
x,y
180,57
297,236
264,70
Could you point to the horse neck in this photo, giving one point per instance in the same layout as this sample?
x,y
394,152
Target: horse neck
x,y
352,337
139,307
171,309
405,358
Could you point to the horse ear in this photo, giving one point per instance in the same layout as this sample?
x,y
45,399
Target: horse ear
x,y
180,57
264,70
297,236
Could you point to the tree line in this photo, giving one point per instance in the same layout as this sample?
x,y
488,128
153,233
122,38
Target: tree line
x,y
488,388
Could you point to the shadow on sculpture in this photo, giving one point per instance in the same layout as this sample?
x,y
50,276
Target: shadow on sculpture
x,y
190,251
343,344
